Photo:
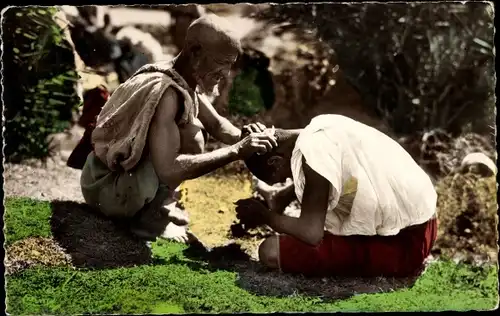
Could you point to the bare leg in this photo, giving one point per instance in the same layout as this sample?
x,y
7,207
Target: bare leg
x,y
149,222
176,229
163,219
192,142
277,199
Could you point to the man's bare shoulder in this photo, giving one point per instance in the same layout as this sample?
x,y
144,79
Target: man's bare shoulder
x,y
168,106
312,177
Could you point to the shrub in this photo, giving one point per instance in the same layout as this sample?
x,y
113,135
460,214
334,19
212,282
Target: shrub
x,y
420,65
253,88
244,97
39,81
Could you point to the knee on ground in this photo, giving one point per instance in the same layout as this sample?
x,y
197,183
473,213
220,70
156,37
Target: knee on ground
x,y
269,252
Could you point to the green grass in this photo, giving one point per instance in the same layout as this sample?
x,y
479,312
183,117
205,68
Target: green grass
x,y
172,286
25,217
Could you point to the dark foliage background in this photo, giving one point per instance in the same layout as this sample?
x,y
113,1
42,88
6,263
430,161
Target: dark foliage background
x,y
420,65
39,78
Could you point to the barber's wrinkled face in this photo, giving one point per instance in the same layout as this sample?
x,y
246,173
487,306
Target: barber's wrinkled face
x,y
209,69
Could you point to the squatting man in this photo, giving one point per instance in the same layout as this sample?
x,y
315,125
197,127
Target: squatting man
x,y
367,208
151,133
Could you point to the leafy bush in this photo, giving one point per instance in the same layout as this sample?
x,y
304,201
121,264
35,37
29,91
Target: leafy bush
x,y
420,65
252,90
39,81
245,96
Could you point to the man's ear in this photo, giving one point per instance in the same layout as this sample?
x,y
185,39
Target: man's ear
x,y
275,161
195,51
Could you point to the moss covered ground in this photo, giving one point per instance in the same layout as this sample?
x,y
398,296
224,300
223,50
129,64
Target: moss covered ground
x,y
176,282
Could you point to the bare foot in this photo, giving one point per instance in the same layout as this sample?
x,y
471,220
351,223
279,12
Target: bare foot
x,y
177,216
168,220
177,229
175,233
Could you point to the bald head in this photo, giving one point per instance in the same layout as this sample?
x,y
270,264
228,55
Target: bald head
x,y
274,166
209,52
212,34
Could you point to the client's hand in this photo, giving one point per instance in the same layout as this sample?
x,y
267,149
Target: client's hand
x,y
251,212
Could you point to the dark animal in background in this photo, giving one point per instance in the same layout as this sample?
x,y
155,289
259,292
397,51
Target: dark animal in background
x,y
96,46
93,101
105,46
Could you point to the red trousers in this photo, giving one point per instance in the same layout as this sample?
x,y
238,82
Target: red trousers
x,y
401,255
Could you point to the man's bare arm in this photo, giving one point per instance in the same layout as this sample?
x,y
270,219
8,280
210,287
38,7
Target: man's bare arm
x,y
217,125
309,227
277,198
172,167
284,197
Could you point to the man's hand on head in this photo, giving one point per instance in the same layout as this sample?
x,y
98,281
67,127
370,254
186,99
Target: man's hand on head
x,y
259,143
252,128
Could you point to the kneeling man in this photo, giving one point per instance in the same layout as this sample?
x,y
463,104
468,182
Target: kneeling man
x,y
150,134
367,209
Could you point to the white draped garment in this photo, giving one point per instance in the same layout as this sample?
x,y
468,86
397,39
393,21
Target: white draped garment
x,y
376,188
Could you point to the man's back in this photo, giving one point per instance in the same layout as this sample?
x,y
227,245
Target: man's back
x,y
393,192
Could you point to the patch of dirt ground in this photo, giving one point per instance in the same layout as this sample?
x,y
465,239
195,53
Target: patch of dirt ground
x,y
33,251
50,180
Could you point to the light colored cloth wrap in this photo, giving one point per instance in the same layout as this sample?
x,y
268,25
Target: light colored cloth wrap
x,y
118,178
118,194
123,124
376,188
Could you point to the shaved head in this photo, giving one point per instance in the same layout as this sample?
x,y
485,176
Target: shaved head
x,y
209,52
213,34
274,166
